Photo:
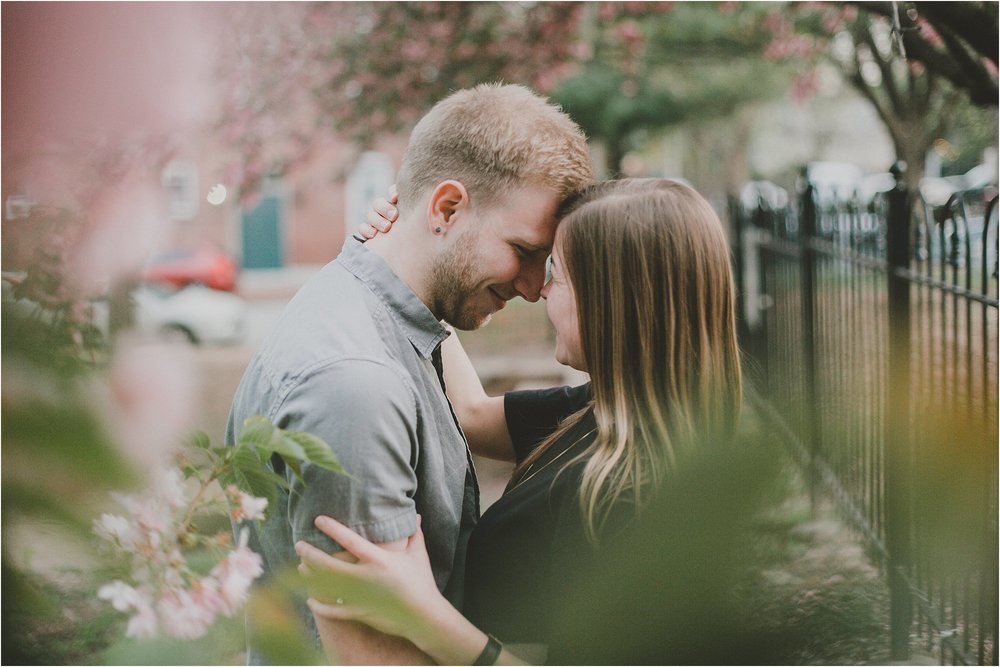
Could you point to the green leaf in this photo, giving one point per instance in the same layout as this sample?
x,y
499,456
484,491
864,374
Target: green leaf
x,y
250,476
295,465
222,452
259,440
279,631
28,500
316,451
286,447
257,431
268,439
200,440
62,431
293,446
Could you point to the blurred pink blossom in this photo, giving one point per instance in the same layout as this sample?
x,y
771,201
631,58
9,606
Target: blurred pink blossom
x,y
207,595
252,508
122,70
629,31
931,35
166,595
96,97
582,50
833,21
237,572
168,485
124,225
152,520
248,508
804,85
118,529
144,623
183,615
121,596
150,399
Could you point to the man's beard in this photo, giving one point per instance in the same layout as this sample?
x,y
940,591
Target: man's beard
x,y
454,287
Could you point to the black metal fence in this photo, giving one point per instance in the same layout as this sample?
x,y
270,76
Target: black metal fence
x,y
870,329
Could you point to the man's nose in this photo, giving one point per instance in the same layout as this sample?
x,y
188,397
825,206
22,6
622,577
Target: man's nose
x,y
530,280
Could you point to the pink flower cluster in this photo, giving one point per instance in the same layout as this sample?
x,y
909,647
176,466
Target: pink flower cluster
x,y
248,508
165,595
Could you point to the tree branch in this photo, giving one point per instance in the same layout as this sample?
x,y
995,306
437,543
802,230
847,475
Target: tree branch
x,y
863,30
976,78
967,29
976,22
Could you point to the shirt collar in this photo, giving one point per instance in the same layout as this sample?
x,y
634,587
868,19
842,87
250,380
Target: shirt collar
x,y
423,330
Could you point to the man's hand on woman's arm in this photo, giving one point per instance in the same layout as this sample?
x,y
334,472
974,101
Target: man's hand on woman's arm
x,y
354,643
393,591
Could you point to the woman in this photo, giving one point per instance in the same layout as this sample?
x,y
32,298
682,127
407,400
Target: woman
x,y
641,298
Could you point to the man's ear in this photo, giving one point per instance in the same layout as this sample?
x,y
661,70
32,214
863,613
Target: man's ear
x,y
448,202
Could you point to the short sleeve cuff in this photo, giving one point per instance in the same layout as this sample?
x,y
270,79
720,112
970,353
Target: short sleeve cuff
x,y
383,531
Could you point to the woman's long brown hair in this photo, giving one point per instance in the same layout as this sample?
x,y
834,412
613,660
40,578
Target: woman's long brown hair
x,y
649,263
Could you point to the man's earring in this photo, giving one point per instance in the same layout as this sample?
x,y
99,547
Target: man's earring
x,y
437,230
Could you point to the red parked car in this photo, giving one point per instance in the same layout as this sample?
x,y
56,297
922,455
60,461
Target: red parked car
x,y
204,265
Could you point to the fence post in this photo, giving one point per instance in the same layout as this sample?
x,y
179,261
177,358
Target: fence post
x,y
811,431
898,443
736,247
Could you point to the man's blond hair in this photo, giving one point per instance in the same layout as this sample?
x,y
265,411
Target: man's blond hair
x,y
494,138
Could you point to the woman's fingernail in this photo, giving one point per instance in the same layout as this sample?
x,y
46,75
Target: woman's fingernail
x,y
392,211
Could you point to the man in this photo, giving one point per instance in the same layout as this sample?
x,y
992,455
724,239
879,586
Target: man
x,y
355,360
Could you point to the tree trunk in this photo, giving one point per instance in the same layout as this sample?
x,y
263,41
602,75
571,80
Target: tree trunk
x,y
913,153
737,173
614,153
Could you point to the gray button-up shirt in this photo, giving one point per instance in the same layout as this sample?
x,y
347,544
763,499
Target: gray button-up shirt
x,y
351,361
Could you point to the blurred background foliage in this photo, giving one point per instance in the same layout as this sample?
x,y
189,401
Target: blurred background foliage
x,y
627,69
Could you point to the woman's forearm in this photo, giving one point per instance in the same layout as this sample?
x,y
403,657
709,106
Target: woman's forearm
x,y
465,389
481,416
451,639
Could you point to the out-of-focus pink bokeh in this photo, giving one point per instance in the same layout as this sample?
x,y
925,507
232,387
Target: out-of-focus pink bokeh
x,y
96,98
117,71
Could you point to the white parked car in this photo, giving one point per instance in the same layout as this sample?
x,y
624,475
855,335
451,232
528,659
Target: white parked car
x,y
195,313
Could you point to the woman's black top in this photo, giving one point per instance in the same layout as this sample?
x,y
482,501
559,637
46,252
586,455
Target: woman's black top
x,y
529,543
